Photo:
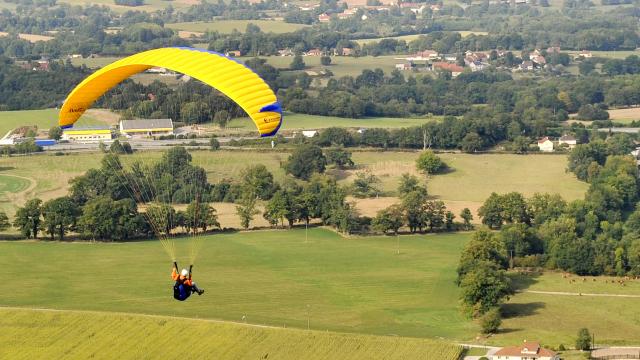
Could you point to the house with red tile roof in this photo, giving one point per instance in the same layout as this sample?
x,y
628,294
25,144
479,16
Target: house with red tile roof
x,y
528,351
445,66
545,144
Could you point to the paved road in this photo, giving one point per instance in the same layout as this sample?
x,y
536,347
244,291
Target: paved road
x,y
141,144
580,294
490,350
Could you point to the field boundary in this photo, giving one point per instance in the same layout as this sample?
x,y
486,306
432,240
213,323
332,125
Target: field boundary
x,y
564,293
151,316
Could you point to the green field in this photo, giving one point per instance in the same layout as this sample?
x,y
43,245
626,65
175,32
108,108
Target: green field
x,y
95,62
149,5
43,119
468,181
272,277
227,26
276,279
340,65
12,184
409,38
32,334
610,54
293,121
555,319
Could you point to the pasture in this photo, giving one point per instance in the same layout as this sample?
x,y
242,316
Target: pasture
x,y
467,178
228,26
340,65
556,318
29,37
293,121
274,278
409,38
621,54
81,335
149,5
43,119
624,115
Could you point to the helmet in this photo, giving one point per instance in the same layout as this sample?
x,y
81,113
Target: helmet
x,y
184,272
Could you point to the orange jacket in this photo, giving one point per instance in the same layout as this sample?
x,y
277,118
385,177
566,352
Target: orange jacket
x,y
183,279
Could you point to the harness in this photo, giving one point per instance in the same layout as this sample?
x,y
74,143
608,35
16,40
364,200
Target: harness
x,y
181,291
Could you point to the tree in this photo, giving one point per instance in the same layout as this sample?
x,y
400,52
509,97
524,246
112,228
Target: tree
x,y
325,60
409,183
435,213
414,204
466,216
429,163
221,118
389,219
306,160
120,148
60,216
449,217
340,158
214,144
55,133
586,67
258,182
484,288
200,215
583,342
297,63
592,112
365,185
483,247
27,218
472,142
162,218
277,209
4,221
246,210
490,321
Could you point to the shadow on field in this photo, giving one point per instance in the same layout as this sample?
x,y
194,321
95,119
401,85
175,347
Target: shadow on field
x,y
517,310
521,280
6,168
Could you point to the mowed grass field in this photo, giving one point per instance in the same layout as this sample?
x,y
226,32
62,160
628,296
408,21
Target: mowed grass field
x,y
340,65
227,26
624,115
149,5
29,334
43,119
555,319
292,121
273,278
409,38
467,183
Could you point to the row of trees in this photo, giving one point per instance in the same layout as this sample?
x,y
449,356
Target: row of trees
x,y
418,212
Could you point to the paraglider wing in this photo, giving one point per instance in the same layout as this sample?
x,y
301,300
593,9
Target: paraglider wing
x,y
230,77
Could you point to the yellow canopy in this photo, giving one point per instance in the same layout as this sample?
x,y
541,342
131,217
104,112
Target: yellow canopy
x,y
230,77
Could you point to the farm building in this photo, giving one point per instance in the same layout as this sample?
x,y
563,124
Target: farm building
x,y
445,66
87,134
309,133
569,140
146,127
528,351
545,145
